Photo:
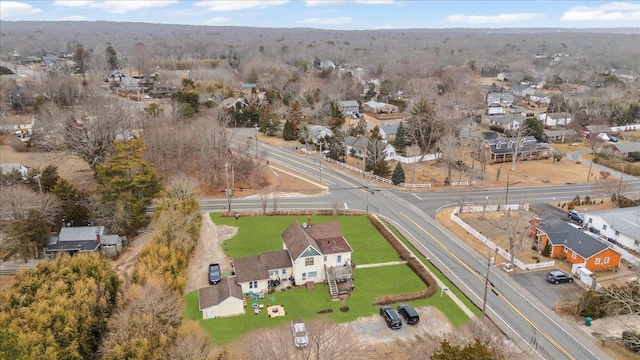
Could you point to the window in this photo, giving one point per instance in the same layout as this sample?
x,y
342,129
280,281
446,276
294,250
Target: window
x,y
253,284
325,258
308,261
636,242
339,259
313,274
573,256
606,259
304,276
498,145
617,232
590,220
604,227
597,261
566,249
273,273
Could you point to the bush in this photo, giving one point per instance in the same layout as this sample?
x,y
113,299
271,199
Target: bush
x,y
418,267
631,341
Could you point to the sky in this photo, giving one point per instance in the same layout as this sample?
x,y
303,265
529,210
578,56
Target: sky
x,y
336,14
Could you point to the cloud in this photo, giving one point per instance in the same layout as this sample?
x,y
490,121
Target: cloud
x,y
337,2
74,18
615,11
327,21
223,5
114,7
216,20
10,9
501,18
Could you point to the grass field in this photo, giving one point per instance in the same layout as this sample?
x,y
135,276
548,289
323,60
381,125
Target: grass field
x,y
369,247
258,234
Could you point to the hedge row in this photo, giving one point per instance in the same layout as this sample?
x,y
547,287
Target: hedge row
x,y
413,263
326,212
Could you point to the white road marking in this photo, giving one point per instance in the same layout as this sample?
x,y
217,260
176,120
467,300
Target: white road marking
x,y
346,207
419,198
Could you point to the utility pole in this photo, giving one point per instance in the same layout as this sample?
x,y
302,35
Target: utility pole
x,y
255,125
486,285
228,191
364,163
320,163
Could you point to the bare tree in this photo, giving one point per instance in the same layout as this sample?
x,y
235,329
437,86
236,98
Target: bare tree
x,y
275,197
90,129
191,344
450,151
16,201
594,142
263,203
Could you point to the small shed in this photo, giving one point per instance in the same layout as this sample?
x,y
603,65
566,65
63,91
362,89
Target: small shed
x,y
221,300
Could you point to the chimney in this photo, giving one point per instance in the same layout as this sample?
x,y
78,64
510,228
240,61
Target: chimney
x,y
98,235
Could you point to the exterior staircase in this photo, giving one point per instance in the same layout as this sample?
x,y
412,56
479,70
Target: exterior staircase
x,y
331,280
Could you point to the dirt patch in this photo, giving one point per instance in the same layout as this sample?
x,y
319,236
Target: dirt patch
x,y
70,167
208,250
125,262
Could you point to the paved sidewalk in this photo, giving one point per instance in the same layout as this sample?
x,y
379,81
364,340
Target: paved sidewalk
x,y
364,266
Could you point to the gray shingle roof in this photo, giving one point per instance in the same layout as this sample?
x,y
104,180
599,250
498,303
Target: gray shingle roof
x,y
561,233
252,268
215,294
624,220
80,233
626,147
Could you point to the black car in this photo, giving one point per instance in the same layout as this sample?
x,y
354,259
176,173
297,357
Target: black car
x,y
409,314
391,317
214,274
557,277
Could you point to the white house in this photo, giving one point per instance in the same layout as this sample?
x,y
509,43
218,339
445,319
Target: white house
x,y
555,119
349,107
223,299
620,225
315,247
503,76
509,122
541,98
357,145
495,110
523,91
233,104
254,272
8,168
499,99
317,132
388,131
379,107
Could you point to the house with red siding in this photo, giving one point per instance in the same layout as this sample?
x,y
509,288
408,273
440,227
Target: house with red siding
x,y
573,244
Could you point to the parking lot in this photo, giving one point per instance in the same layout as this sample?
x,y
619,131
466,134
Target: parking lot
x,y
536,283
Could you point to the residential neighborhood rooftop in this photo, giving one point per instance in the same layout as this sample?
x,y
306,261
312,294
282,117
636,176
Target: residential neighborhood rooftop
x,y
561,233
215,294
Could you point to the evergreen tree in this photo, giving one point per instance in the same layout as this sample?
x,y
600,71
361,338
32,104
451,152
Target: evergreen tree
x,y
295,117
269,123
376,154
288,132
112,57
59,310
81,58
402,138
127,184
398,174
477,350
534,127
361,128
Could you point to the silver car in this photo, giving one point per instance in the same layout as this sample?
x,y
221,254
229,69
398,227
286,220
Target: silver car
x,y
300,337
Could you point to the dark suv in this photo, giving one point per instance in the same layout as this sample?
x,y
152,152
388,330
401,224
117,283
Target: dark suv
x,y
557,277
575,216
214,274
409,314
391,317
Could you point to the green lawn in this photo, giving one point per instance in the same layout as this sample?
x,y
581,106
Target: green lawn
x,y
260,234
257,234
302,303
453,312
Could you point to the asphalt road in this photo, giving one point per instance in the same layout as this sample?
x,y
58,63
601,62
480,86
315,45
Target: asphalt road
x,y
527,320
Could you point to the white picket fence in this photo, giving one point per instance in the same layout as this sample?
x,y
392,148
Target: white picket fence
x,y
462,183
414,159
489,243
373,176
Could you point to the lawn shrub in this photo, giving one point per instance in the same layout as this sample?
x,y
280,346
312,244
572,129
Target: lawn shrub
x,y
413,263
